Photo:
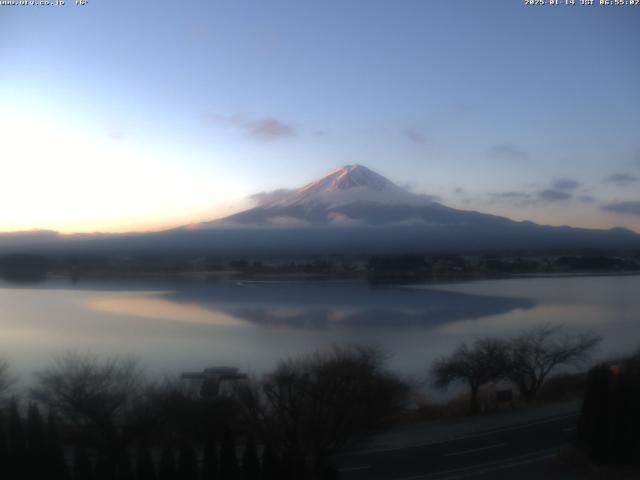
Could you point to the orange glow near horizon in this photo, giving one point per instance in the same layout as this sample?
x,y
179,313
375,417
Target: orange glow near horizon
x,y
75,180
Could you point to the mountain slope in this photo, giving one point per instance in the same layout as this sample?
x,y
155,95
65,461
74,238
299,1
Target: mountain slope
x,y
352,195
375,215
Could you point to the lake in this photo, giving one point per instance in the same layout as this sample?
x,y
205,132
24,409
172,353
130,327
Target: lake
x,y
173,325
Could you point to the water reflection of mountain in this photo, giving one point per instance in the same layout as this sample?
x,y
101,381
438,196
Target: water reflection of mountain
x,y
320,305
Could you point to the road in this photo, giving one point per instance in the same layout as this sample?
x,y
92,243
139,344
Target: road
x,y
519,451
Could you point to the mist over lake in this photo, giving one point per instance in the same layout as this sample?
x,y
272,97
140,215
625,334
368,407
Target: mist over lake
x,y
173,325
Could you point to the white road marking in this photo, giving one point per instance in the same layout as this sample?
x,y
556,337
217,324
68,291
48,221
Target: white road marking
x,y
473,450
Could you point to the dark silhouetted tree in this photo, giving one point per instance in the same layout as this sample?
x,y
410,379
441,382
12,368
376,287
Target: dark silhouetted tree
x,y
270,464
482,362
250,461
229,468
534,354
291,468
145,467
82,467
167,467
610,417
315,405
106,466
176,407
4,447
187,461
210,468
88,390
181,412
36,444
124,469
56,462
18,465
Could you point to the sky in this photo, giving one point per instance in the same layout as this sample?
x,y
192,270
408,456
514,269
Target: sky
x,y
128,116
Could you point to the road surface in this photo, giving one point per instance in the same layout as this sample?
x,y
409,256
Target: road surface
x,y
520,451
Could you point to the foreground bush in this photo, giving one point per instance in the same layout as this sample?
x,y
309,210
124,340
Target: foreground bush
x,y
314,405
609,425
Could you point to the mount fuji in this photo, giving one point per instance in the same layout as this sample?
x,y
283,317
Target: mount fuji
x,y
352,195
351,210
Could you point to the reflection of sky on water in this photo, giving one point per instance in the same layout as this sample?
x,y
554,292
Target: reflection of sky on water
x,y
322,305
154,305
178,325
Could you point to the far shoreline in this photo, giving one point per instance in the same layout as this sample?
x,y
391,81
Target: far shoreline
x,y
241,278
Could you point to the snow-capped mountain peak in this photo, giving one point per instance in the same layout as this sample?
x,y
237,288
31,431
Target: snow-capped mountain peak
x,y
349,195
344,185
349,176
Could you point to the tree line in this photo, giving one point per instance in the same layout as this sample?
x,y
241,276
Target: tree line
x,y
32,449
106,421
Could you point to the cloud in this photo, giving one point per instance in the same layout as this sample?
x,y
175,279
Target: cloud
x,y
508,151
622,179
561,190
284,221
566,184
458,191
266,198
412,186
430,198
629,208
266,128
551,196
342,219
415,136
408,186
269,128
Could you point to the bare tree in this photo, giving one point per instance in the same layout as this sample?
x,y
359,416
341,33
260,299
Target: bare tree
x,y
91,391
534,354
482,362
316,404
